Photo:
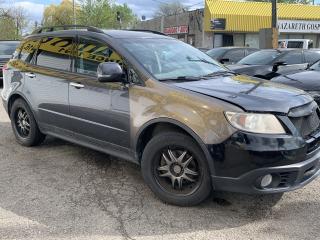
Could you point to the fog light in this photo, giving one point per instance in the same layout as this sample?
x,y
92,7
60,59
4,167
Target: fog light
x,y
266,180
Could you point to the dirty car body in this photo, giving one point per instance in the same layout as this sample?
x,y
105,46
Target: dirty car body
x,y
213,110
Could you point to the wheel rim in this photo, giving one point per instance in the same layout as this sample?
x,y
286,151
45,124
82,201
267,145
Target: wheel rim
x,y
22,122
178,171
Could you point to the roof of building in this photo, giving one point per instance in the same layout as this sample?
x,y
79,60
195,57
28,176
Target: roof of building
x,y
252,16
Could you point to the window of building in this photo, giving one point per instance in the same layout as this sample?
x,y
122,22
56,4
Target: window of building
x,y
55,52
91,53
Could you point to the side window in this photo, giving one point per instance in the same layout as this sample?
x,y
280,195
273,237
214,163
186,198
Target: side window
x,y
26,50
295,44
249,51
291,58
312,57
91,53
235,55
55,52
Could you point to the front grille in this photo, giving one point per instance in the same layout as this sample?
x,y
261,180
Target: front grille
x,y
286,178
305,118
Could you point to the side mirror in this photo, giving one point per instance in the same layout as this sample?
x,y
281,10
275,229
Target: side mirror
x,y
224,60
276,65
109,72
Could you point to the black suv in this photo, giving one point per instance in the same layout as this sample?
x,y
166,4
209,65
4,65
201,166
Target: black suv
x,y
7,48
191,124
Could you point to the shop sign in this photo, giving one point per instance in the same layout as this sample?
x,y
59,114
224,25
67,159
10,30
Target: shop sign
x,y
183,29
218,24
298,26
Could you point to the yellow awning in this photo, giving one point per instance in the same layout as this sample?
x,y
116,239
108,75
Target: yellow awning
x,y
252,16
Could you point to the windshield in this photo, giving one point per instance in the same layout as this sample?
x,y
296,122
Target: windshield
x,y
216,52
7,48
172,59
316,66
260,58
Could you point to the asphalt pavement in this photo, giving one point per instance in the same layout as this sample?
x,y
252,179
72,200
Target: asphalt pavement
x,y
63,191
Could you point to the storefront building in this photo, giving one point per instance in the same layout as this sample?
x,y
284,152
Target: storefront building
x,y
233,23
187,27
236,23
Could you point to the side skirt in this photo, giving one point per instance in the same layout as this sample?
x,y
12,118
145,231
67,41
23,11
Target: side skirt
x,y
89,142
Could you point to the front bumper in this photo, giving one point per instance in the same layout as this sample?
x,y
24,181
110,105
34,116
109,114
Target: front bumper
x,y
245,158
286,178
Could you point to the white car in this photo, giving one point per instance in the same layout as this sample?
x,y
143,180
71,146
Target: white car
x,y
295,43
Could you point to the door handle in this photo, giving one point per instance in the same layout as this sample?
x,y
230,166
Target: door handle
x,y
77,85
31,75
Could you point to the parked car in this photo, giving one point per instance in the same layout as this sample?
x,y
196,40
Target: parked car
x,y
308,80
296,43
230,55
204,49
271,63
191,124
7,48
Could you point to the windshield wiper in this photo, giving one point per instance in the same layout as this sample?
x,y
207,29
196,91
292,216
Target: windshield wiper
x,y
219,73
182,78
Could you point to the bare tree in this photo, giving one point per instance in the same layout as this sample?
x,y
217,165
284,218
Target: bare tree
x,y
167,9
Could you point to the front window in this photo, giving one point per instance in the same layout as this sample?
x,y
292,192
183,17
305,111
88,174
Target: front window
x,y
260,58
172,59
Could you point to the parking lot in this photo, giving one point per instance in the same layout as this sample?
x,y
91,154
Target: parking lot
x,y
62,191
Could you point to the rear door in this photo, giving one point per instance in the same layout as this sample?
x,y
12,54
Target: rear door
x,y
99,111
47,82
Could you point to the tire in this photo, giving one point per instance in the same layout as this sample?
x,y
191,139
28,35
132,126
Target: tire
x,y
31,135
170,180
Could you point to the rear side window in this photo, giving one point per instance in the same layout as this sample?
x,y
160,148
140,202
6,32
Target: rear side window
x,y
292,58
234,55
312,57
93,52
55,52
27,50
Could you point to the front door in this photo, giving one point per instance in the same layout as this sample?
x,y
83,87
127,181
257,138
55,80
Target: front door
x,y
98,110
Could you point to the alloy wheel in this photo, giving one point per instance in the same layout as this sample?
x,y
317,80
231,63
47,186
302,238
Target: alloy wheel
x,y
22,122
178,171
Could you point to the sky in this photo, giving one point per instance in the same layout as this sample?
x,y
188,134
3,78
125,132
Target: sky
x,y
140,7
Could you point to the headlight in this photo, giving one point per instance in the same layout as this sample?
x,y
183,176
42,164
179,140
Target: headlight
x,y
255,122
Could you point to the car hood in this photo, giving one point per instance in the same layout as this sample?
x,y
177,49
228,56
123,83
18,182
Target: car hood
x,y
306,80
251,94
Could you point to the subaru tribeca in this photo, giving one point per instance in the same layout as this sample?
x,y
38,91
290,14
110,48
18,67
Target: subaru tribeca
x,y
192,125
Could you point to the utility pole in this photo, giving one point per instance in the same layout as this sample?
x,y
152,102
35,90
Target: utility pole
x,y
74,12
274,24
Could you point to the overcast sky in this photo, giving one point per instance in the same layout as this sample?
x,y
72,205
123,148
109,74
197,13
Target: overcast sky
x,y
140,7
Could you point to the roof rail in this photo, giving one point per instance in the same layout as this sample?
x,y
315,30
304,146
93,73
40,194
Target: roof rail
x,y
150,31
66,27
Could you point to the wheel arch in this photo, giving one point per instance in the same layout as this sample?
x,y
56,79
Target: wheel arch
x,y
149,129
13,98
